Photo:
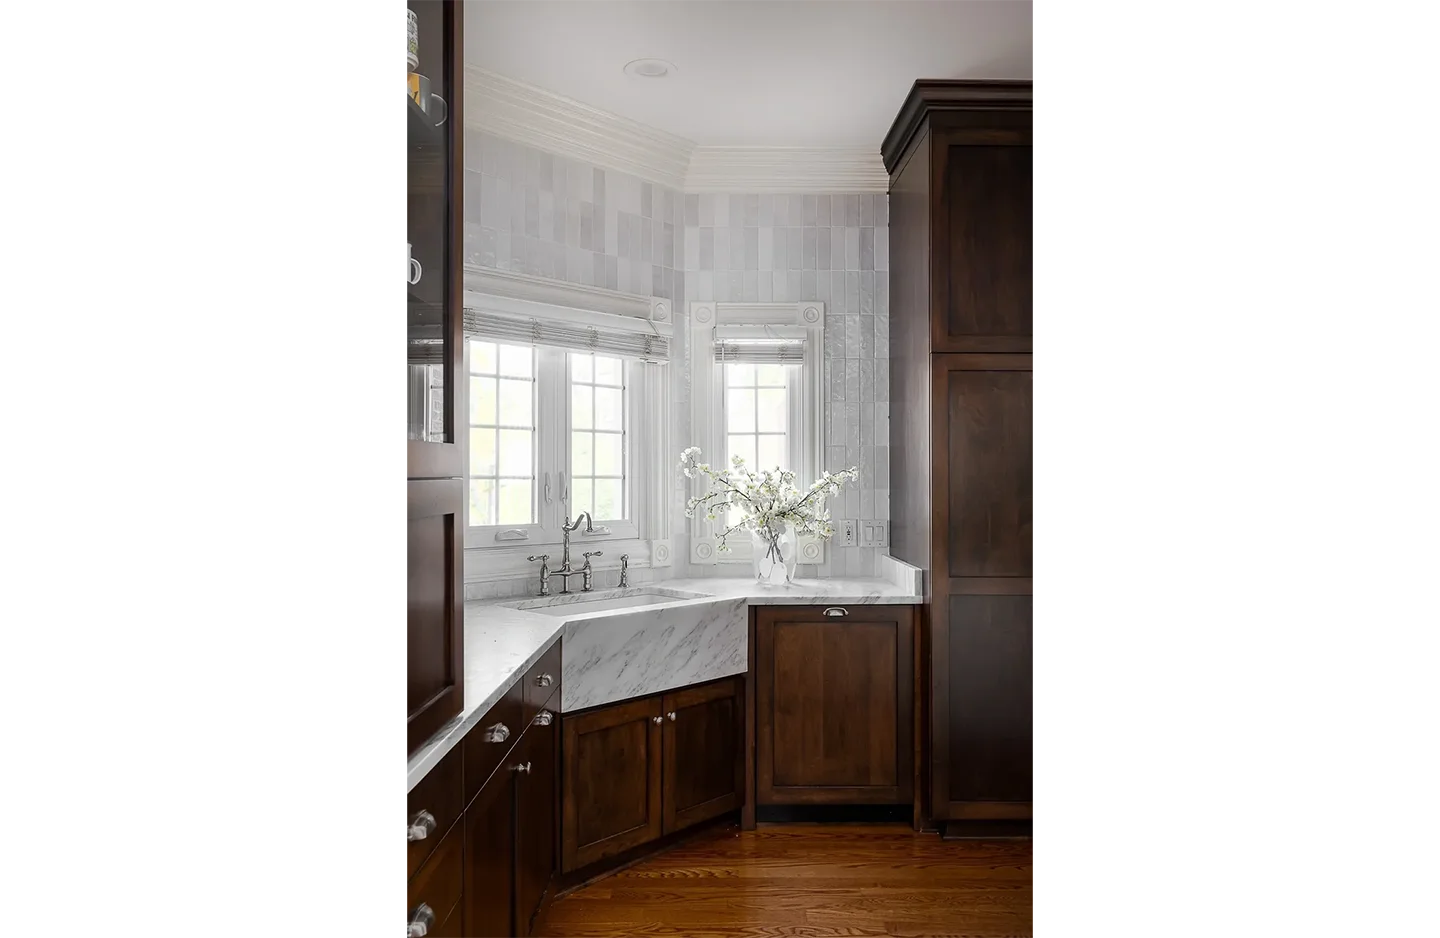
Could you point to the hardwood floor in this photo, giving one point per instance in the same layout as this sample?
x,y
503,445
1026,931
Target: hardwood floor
x,y
810,879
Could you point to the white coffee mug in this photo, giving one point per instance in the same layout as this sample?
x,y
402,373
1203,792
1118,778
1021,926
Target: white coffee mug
x,y
409,267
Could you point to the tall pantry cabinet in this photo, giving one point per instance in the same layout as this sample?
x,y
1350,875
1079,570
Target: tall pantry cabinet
x,y
959,158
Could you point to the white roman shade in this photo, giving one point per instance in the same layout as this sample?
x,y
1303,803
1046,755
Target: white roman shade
x,y
760,345
578,331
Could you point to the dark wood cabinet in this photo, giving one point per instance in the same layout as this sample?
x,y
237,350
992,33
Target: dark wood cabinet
x,y
435,461
612,772
959,157
490,858
834,701
637,770
536,810
434,892
703,740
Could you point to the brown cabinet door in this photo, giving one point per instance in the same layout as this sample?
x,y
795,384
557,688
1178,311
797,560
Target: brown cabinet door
x,y
435,889
981,589
490,857
834,701
704,733
536,808
611,799
982,235
435,677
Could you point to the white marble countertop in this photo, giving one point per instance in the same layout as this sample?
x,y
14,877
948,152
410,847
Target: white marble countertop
x,y
502,642
500,645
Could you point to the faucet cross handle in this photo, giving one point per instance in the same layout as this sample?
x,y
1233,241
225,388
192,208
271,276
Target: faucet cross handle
x,y
593,553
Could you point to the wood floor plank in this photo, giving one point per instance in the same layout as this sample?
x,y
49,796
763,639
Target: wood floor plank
x,y
810,879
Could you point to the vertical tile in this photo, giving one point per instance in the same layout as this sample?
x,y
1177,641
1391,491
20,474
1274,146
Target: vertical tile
x,y
611,229
782,211
737,210
867,210
852,211
867,336
836,384
707,209
882,248
852,380
705,291
767,287
808,211
722,210
808,288
667,244
882,211
767,210
750,218
498,152
882,496
792,248
807,251
882,295
647,200
881,337
706,258
692,248
750,286
722,249
657,281
795,209
867,424
559,221
822,211
867,379
597,273
852,292
584,179
486,247
822,289
792,285
667,206
852,336
778,257
532,212
867,294
852,248
502,250
779,280
737,248
834,337
489,216
647,241
765,248
837,294
692,210
852,422
622,235
867,505
597,185
882,467
867,248
837,245
882,379
751,246
546,172
834,424
822,248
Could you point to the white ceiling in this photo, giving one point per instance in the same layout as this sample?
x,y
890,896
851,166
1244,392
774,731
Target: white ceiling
x,y
812,73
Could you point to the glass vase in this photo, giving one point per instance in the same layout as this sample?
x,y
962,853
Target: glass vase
x,y
774,551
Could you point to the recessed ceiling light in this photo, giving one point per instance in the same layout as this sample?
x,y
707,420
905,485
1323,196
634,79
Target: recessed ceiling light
x,y
649,68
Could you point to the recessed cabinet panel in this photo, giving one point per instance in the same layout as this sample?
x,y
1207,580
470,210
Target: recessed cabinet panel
x,y
704,759
990,698
435,607
612,773
988,425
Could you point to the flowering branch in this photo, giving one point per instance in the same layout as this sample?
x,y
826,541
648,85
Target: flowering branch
x,y
766,499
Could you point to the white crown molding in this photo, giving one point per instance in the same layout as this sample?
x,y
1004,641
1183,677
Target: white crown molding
x,y
552,122
533,116
786,169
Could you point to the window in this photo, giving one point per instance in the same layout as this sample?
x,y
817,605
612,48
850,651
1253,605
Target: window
x,y
756,394
597,436
502,434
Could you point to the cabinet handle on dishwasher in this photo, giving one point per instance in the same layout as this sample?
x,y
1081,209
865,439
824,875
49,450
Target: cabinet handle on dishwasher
x,y
836,611
421,921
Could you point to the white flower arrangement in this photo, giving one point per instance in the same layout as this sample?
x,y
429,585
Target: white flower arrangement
x,y
766,499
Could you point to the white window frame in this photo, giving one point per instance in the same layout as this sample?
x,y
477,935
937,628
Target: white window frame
x,y
805,397
499,552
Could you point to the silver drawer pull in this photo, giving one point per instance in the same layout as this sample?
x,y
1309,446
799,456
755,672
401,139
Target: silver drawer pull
x,y
524,768
836,611
497,733
422,825
543,680
657,719
671,715
543,718
421,921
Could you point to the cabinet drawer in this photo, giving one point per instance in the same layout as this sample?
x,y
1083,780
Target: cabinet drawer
x,y
485,749
542,683
437,885
433,806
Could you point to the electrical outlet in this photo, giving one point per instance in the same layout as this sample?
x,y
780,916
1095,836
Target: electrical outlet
x,y
845,533
874,534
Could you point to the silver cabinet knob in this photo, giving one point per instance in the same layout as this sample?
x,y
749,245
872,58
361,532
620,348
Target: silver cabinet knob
x,y
543,680
497,733
422,825
421,921
671,715
657,719
523,768
543,718
836,611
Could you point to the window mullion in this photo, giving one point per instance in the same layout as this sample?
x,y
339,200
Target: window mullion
x,y
552,451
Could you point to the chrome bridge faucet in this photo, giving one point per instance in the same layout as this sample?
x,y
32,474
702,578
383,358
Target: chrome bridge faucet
x,y
565,572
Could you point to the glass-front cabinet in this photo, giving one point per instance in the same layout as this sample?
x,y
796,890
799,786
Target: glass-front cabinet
x,y
433,356
433,276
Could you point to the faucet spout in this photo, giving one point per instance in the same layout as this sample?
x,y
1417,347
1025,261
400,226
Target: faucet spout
x,y
565,530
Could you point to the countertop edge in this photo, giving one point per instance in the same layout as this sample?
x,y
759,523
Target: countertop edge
x,y
448,736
